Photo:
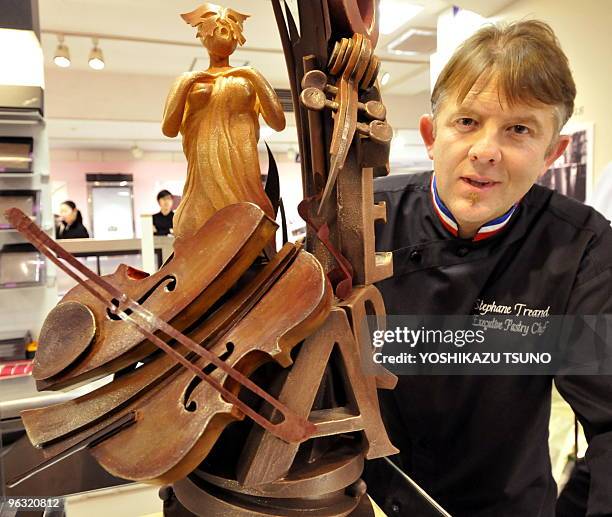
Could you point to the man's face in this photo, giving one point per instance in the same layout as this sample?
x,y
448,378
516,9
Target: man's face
x,y
487,155
165,204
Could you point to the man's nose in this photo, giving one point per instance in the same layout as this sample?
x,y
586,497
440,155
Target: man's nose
x,y
485,150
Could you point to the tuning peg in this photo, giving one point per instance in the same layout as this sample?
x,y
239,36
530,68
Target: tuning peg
x,y
314,79
315,99
374,110
378,131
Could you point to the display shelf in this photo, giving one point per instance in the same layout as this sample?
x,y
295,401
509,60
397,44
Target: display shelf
x,y
14,369
16,175
46,281
34,287
25,305
21,117
45,229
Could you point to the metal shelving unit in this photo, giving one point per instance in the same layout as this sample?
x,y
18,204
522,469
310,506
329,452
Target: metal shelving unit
x,y
23,308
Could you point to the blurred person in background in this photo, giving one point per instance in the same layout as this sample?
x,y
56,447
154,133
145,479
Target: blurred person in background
x,y
71,223
162,220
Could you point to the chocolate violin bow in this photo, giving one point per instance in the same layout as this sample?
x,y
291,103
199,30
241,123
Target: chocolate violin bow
x,y
291,429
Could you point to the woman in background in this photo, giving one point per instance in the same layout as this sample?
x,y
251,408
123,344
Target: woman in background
x,y
71,223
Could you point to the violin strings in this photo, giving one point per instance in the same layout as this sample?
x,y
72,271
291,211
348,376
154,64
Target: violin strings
x,y
292,428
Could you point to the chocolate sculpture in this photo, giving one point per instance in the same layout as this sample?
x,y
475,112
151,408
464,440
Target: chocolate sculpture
x,y
227,313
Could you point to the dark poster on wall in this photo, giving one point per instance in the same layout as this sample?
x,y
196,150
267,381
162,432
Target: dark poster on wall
x,y
569,174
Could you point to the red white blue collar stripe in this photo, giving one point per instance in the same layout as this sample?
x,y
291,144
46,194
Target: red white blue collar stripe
x,y
448,221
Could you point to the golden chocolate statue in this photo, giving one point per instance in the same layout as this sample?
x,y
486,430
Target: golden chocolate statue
x,y
217,112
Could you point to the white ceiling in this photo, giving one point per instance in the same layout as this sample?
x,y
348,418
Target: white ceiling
x,y
159,20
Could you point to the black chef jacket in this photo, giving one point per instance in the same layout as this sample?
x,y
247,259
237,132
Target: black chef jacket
x,y
75,230
163,223
478,444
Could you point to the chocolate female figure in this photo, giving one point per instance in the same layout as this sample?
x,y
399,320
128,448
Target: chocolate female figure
x,y
217,113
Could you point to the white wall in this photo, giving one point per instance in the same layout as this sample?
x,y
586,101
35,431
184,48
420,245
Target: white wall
x,y
583,28
79,94
403,112
92,95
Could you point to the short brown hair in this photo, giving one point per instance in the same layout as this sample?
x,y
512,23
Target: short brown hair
x,y
526,57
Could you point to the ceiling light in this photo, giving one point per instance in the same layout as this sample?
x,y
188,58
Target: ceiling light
x,y
385,78
21,57
398,145
62,55
292,155
137,153
395,13
96,58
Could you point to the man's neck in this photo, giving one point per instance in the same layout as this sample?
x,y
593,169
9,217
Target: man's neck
x,y
467,231
165,212
474,231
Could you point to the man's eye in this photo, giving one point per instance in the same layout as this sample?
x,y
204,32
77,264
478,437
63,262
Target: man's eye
x,y
465,122
519,129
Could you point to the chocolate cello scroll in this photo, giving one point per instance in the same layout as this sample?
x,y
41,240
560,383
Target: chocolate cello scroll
x,y
236,343
329,48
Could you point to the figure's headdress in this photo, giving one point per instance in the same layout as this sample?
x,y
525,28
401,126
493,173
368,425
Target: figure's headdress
x,y
206,17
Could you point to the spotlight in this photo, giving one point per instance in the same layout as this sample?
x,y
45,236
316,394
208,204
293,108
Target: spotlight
x,y
292,155
62,55
96,58
137,153
385,78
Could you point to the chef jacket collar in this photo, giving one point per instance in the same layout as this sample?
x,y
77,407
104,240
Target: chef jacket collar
x,y
487,230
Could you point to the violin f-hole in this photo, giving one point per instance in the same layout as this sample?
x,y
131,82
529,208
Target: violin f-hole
x,y
170,285
192,405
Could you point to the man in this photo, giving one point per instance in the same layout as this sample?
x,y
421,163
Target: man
x,y
162,220
478,231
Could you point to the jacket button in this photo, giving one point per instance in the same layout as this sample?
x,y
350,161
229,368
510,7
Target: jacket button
x,y
396,507
462,251
416,256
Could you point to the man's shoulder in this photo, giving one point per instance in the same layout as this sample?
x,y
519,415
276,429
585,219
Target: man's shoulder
x,y
568,211
395,183
578,225
406,198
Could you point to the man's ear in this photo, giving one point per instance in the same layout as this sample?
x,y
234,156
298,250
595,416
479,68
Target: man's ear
x,y
426,127
557,150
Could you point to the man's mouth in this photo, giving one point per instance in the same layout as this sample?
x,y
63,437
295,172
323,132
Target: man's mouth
x,y
479,184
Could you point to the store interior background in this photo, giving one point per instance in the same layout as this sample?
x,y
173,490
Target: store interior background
x,y
108,121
